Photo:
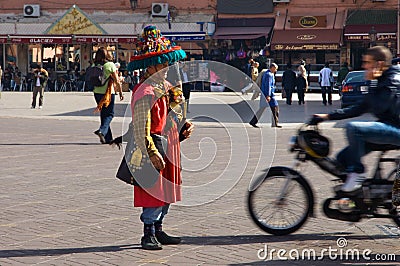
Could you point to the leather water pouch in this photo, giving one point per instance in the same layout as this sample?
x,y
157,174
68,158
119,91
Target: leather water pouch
x,y
136,168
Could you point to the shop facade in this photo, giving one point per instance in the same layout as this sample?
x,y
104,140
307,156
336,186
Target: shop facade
x,y
366,28
237,40
242,31
316,39
71,40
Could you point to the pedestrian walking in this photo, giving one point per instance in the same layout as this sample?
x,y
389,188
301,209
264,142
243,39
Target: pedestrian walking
x,y
186,85
40,77
256,91
154,111
248,67
325,82
268,97
1,78
301,82
343,71
254,76
7,77
105,94
289,82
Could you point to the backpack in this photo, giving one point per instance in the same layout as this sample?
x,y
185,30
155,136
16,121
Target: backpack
x,y
95,76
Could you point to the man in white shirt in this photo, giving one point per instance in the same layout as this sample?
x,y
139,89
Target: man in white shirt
x,y
325,81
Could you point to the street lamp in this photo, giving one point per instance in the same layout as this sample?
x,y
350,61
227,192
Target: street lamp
x,y
372,36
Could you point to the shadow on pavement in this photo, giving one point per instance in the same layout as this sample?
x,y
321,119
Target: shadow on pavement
x,y
48,144
265,239
119,111
63,251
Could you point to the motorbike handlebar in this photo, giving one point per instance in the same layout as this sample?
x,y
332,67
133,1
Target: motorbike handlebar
x,y
314,120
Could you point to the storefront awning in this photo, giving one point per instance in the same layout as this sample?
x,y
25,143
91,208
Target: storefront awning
x,y
67,39
40,39
245,7
243,28
234,33
309,39
385,32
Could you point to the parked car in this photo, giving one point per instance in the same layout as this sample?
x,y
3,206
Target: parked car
x,y
217,87
353,88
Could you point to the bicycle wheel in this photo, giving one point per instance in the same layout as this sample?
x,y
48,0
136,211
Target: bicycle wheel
x,y
277,212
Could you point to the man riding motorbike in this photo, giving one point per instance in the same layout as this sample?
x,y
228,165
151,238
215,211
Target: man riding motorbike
x,y
383,102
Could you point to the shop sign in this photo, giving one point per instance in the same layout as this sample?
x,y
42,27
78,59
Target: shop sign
x,y
74,21
186,38
365,37
386,37
306,37
308,22
105,40
295,47
127,40
357,37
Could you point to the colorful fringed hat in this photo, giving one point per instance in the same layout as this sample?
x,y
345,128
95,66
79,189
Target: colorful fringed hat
x,y
153,49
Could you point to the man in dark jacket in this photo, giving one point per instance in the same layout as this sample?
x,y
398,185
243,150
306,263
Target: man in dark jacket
x,y
342,73
289,82
383,102
39,84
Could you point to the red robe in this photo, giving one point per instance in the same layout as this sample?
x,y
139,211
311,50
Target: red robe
x,y
168,187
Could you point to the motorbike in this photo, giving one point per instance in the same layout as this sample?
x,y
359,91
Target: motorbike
x,y
282,200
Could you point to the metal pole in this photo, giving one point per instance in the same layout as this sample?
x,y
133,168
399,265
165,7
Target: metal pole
x,y
398,29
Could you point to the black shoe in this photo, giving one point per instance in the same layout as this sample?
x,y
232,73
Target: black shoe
x,y
165,239
253,125
101,136
278,126
149,242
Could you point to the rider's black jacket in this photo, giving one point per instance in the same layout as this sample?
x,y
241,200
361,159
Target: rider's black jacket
x,y
382,100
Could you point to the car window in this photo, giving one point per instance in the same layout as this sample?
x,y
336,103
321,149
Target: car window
x,y
355,77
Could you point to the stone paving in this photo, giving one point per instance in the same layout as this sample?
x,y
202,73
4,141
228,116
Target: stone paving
x,y
62,205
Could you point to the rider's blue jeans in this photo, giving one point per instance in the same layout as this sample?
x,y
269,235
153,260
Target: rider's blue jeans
x,y
360,133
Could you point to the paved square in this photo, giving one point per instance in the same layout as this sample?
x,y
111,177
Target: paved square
x,y
62,205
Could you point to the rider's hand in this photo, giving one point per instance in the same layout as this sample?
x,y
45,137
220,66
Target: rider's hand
x,y
157,160
317,118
